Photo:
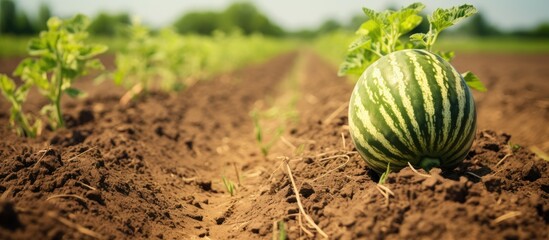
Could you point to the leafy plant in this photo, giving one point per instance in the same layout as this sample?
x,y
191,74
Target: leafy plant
x,y
381,35
59,56
440,20
16,96
135,64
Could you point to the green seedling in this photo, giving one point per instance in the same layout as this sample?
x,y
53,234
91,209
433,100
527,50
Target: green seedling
x,y
16,96
514,147
281,230
383,176
59,56
229,185
299,149
265,146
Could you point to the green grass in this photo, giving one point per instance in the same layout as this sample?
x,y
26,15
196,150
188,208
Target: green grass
x,y
16,46
115,44
494,45
13,46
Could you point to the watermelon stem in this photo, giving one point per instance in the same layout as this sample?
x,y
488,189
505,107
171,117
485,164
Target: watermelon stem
x,y
428,163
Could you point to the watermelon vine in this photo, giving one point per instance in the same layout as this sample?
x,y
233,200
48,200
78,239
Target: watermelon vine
x,y
410,105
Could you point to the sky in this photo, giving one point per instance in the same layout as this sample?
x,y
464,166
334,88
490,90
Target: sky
x,y
296,14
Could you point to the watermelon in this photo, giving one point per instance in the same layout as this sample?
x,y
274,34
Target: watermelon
x,y
412,106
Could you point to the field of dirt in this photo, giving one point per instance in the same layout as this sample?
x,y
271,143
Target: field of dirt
x,y
154,169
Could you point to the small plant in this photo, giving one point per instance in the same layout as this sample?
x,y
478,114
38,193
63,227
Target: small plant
x,y
16,96
514,147
135,65
264,145
281,230
384,175
59,56
229,185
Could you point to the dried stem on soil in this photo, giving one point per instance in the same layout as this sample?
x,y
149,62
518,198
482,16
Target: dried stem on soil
x,y
298,199
331,170
474,175
86,185
80,154
237,174
386,192
328,119
506,216
418,173
44,151
343,141
288,143
540,153
75,226
300,221
66,196
503,159
134,91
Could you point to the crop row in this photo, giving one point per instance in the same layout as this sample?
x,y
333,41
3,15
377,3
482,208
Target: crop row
x,y
165,61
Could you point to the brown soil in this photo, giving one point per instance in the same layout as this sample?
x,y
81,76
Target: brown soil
x,y
154,168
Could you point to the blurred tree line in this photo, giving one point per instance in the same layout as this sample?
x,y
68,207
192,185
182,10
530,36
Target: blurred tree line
x,y
244,17
16,22
239,16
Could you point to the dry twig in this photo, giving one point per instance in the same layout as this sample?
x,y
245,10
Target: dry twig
x,y
75,226
503,159
66,196
418,173
506,216
334,114
385,191
80,154
298,199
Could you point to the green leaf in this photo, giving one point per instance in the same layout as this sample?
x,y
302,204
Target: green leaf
x,y
6,85
41,81
418,39
379,36
92,51
370,28
409,22
444,18
407,18
371,14
37,46
74,93
77,23
473,81
23,66
46,64
446,55
360,42
356,62
95,64
54,23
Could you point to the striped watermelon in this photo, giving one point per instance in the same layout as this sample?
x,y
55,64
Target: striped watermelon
x,y
412,106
